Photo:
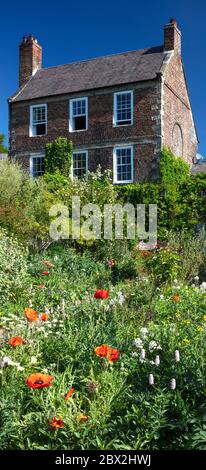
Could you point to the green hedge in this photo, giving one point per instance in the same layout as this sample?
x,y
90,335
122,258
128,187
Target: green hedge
x,y
181,198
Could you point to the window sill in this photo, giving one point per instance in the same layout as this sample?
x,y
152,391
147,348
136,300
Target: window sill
x,y
122,125
123,182
79,130
42,135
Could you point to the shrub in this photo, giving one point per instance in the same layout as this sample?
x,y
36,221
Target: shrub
x,y
13,269
163,266
24,204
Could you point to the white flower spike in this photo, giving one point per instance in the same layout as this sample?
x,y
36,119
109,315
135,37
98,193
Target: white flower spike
x,y
173,384
151,379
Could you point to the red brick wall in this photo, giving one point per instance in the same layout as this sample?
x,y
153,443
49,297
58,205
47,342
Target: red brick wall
x,y
101,136
177,109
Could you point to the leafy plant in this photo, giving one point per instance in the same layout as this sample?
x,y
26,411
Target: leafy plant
x,y
58,156
3,148
13,269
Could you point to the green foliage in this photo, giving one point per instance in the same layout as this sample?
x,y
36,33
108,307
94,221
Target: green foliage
x,y
180,198
96,189
24,204
155,307
58,156
3,148
164,266
124,411
13,269
182,258
174,172
55,181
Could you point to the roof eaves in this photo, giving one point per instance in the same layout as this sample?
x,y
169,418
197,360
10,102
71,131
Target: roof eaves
x,y
85,90
15,95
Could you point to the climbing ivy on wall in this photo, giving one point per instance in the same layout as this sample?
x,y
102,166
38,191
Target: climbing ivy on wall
x,y
174,173
58,155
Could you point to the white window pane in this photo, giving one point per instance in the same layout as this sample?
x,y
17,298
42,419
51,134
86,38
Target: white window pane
x,y
79,164
38,120
78,115
38,166
123,108
124,164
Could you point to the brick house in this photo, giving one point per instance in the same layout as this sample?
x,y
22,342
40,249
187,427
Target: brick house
x,y
118,110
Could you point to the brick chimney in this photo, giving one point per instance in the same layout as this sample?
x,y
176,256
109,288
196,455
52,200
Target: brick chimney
x,y
172,37
30,58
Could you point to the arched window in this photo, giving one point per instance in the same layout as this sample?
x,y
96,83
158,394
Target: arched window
x,y
177,141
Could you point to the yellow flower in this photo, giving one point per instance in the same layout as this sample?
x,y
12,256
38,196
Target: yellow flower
x,y
185,341
204,318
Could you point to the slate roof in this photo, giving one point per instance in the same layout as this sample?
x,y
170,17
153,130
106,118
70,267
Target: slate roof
x,y
117,69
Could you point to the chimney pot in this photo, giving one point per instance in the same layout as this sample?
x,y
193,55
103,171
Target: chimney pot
x,y
173,21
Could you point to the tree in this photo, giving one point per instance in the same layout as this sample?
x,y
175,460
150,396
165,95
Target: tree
x,y
3,148
58,155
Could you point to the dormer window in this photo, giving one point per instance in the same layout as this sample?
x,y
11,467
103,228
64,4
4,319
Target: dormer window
x,y
38,120
78,115
123,108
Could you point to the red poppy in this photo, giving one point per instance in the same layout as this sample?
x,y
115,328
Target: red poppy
x,y
16,341
39,380
56,422
112,354
104,350
69,393
45,273
30,314
101,294
101,350
44,317
175,297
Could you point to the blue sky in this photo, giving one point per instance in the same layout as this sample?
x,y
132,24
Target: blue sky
x,y
70,31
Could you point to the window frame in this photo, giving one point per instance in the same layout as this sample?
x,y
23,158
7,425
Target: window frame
x,y
71,117
115,124
31,134
76,152
118,147
31,166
